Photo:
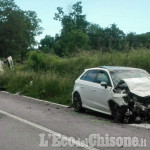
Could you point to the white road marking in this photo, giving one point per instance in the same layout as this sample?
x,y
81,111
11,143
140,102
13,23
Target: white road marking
x,y
77,143
35,99
142,125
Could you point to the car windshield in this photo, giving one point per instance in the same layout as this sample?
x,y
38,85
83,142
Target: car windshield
x,y
118,75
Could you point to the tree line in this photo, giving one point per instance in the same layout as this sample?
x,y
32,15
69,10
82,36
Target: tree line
x,y
19,28
78,34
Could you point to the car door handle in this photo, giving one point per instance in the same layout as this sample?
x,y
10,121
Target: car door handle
x,y
93,89
82,87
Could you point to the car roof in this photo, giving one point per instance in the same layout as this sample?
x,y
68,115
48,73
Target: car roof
x,y
114,68
118,68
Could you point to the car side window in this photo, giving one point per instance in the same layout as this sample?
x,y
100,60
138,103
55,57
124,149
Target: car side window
x,y
91,76
103,77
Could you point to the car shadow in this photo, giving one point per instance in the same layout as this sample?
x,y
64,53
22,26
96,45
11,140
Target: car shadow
x,y
99,116
2,89
105,117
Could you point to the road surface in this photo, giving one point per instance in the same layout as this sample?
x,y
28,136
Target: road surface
x,y
28,124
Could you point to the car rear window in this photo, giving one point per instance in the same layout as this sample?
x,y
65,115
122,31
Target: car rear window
x,y
84,76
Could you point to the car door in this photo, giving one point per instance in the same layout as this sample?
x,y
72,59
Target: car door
x,y
100,94
87,85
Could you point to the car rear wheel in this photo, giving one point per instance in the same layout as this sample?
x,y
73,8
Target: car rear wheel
x,y
77,103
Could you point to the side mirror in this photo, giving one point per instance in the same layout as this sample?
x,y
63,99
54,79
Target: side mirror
x,y
104,84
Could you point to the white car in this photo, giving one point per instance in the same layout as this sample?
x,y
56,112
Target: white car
x,y
122,92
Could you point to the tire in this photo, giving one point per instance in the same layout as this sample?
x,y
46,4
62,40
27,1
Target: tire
x,y
119,114
77,103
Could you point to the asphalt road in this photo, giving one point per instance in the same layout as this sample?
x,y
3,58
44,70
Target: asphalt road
x,y
24,122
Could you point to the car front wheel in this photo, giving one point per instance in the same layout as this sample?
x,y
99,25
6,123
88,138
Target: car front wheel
x,y
121,114
118,114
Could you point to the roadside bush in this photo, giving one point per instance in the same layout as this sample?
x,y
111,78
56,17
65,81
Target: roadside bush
x,y
4,79
37,60
18,81
45,85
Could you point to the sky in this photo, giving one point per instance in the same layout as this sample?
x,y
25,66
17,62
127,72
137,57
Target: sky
x,y
129,15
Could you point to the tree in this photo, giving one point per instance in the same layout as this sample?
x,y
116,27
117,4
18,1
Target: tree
x,y
114,38
71,43
110,38
18,29
72,21
131,40
96,33
47,44
73,34
138,40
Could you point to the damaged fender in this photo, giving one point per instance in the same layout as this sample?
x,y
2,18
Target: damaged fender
x,y
118,99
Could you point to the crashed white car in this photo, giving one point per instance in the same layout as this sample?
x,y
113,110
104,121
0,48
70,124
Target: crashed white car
x,y
122,92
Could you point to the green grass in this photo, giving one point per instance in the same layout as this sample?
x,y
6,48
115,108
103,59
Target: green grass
x,y
53,77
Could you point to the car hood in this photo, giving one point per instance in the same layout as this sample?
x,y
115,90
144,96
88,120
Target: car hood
x,y
139,86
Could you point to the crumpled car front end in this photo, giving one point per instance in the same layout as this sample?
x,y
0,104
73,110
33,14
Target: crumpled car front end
x,y
136,96
139,107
